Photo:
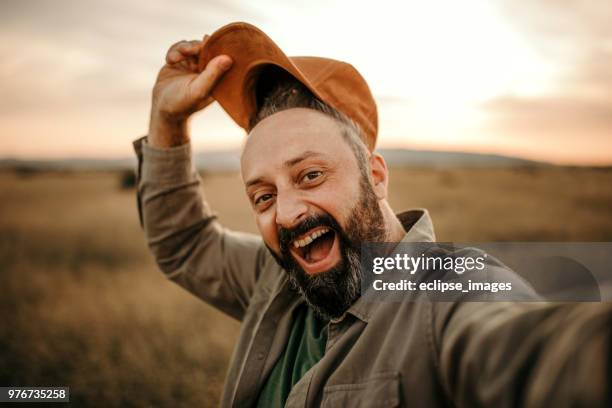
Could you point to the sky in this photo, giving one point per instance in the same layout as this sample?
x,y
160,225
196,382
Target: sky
x,y
527,78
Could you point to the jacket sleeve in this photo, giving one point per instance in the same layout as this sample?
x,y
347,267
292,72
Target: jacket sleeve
x,y
189,245
526,354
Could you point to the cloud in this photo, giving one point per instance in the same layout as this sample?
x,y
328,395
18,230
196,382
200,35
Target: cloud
x,y
555,116
578,112
65,52
76,76
70,65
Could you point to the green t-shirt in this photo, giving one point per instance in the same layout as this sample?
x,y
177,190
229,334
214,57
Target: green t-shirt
x,y
305,347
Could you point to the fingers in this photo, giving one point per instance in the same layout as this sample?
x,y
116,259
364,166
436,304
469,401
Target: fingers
x,y
183,50
203,84
204,103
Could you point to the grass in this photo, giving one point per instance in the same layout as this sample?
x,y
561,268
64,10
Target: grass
x,y
83,304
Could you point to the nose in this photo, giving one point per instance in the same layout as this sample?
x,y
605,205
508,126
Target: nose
x,y
290,210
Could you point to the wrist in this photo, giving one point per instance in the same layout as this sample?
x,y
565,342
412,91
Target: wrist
x,y
165,131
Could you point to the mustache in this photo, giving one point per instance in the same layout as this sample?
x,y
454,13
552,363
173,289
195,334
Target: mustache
x,y
286,236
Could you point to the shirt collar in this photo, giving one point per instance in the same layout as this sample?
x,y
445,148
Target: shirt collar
x,y
419,228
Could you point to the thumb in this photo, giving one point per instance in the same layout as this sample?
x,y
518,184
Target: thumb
x,y
206,80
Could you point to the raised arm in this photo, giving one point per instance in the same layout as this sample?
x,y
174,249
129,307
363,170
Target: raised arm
x,y
189,245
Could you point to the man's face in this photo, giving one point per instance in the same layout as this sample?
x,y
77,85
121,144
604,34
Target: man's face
x,y
312,204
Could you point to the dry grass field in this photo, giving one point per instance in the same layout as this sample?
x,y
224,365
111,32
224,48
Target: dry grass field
x,y
83,305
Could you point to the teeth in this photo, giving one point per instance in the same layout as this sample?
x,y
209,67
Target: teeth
x,y
308,239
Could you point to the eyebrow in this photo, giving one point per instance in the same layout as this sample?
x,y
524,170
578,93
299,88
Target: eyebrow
x,y
253,182
289,163
306,155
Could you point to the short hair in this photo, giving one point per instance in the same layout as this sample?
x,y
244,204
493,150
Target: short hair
x,y
277,90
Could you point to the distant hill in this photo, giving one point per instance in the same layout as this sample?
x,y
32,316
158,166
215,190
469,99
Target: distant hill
x,y
76,163
430,158
229,160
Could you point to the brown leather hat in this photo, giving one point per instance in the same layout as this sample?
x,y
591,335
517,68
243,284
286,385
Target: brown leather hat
x,y
334,82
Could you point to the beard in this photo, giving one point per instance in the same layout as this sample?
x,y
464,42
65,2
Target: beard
x,y
330,293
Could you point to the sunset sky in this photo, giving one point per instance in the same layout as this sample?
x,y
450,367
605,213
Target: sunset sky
x,y
519,77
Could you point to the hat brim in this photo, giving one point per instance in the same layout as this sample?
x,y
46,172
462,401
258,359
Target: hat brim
x,y
251,50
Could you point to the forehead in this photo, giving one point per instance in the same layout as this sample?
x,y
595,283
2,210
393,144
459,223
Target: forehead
x,y
286,135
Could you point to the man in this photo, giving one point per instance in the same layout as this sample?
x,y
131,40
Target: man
x,y
318,191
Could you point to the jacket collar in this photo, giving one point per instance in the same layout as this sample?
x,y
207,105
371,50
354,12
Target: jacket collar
x,y
418,225
419,228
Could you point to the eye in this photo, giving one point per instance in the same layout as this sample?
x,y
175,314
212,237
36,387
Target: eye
x,y
262,199
312,175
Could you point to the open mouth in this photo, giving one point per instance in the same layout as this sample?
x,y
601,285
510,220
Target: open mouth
x,y
316,251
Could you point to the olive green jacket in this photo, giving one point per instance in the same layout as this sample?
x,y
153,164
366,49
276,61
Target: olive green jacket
x,y
387,354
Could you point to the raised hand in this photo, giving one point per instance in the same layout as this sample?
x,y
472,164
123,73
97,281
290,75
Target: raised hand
x,y
180,91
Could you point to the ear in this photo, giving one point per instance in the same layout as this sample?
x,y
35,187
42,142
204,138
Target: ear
x,y
379,174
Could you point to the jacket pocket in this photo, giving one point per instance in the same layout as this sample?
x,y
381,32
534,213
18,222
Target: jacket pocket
x,y
379,390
